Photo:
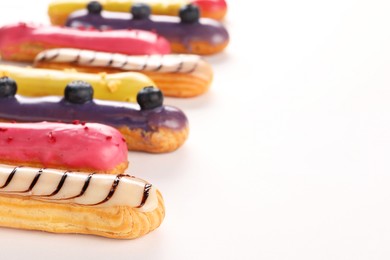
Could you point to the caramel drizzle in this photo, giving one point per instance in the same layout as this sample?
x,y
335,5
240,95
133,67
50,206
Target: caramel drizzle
x,y
87,181
111,60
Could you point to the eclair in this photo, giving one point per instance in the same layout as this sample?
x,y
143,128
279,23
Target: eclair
x,y
187,33
59,201
147,126
59,10
34,82
87,146
177,75
22,42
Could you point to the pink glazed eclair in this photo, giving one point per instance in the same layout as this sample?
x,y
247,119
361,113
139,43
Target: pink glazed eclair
x,y
86,147
22,41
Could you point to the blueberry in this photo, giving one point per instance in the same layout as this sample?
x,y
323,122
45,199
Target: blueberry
x,y
94,7
149,98
8,87
189,14
78,92
140,11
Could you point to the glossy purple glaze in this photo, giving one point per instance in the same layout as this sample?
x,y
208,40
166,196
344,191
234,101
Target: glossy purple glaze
x,y
116,114
205,30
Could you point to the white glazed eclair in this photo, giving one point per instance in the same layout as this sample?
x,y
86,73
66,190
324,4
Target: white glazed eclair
x,y
177,75
115,206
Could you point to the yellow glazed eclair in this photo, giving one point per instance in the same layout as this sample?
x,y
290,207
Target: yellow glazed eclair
x,y
115,206
43,82
177,75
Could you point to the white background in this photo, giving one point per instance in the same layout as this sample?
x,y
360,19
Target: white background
x,y
288,156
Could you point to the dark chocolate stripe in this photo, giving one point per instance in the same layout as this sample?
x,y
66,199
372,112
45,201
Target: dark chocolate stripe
x,y
86,185
112,190
161,63
145,196
61,183
9,179
76,60
83,189
93,58
111,60
59,186
43,57
35,180
125,63
54,56
180,64
193,69
145,63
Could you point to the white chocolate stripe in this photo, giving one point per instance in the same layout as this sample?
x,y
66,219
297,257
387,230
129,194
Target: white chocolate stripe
x,y
98,190
169,63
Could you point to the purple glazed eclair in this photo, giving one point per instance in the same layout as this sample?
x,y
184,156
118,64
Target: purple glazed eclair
x,y
149,126
187,33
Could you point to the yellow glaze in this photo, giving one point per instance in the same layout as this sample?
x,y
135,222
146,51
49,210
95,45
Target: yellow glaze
x,y
59,10
42,82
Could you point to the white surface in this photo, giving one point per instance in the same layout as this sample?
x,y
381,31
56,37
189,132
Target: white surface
x,y
288,156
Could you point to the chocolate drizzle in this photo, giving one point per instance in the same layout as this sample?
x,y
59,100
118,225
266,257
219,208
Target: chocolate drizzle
x,y
55,56
59,186
161,63
124,63
10,177
145,196
85,187
193,69
181,63
35,180
112,190
145,66
77,57
41,56
93,58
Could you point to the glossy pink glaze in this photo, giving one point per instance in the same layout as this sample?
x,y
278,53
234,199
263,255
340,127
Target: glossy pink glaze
x,y
211,5
74,146
14,38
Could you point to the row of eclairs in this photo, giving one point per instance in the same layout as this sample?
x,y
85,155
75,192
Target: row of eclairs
x,y
93,90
